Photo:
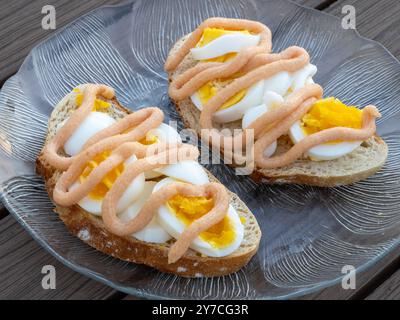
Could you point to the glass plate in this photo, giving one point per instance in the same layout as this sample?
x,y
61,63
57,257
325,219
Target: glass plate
x,y
309,234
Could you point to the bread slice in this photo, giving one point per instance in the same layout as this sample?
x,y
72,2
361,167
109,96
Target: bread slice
x,y
358,165
91,229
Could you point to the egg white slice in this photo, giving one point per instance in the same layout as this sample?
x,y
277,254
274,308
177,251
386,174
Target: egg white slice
x,y
225,44
196,101
278,83
188,171
271,100
303,77
153,232
250,116
326,151
175,228
164,134
253,114
92,124
253,97
285,83
130,195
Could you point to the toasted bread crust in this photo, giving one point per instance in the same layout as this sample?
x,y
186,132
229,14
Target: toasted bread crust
x,y
92,231
273,177
318,181
191,116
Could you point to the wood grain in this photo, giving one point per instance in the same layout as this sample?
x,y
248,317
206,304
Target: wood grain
x,y
21,262
3,211
316,4
21,258
21,27
366,281
380,21
388,290
377,20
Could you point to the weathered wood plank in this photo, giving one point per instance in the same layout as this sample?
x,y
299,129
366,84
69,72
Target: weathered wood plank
x,y
377,20
3,211
380,21
383,27
382,30
366,281
21,27
388,290
21,262
21,258
316,4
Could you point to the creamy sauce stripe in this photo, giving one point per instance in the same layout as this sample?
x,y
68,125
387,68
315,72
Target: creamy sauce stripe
x,y
233,24
121,138
257,63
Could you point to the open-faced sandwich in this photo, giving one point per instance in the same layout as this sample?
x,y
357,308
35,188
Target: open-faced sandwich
x,y
224,76
125,184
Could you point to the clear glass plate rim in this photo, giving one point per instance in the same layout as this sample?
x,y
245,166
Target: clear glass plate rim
x,y
133,291
141,294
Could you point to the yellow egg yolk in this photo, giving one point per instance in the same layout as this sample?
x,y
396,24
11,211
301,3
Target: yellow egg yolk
x,y
150,139
210,34
100,191
210,89
189,209
329,113
99,105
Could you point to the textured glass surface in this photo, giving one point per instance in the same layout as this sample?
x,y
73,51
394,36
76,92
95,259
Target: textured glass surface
x,y
309,233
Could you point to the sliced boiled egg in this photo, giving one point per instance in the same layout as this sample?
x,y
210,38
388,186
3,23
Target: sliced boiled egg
x,y
324,114
164,133
285,83
235,107
271,100
94,200
302,77
99,104
189,171
216,42
179,212
153,232
92,124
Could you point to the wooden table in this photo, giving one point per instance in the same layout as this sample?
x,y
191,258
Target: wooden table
x,y
21,258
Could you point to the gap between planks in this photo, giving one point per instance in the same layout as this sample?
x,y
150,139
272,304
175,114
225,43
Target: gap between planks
x,y
21,262
383,277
